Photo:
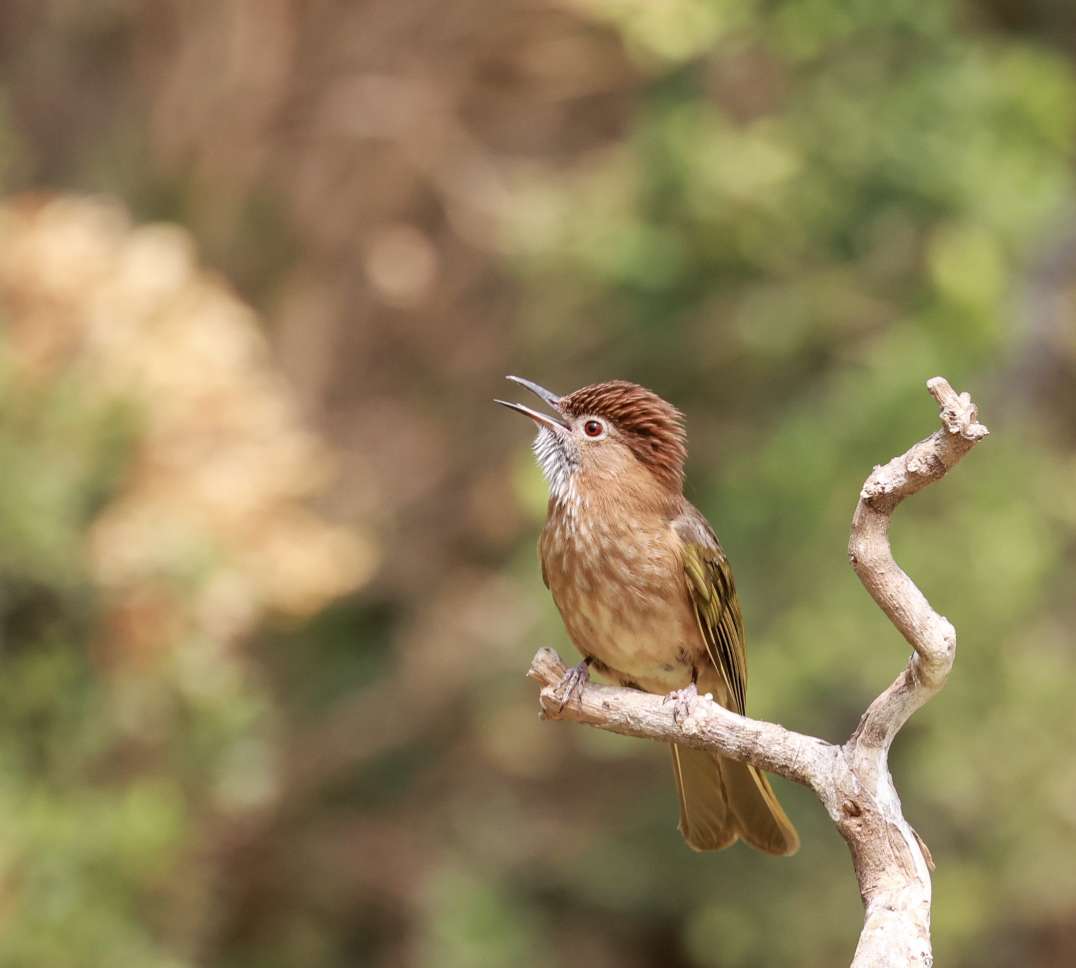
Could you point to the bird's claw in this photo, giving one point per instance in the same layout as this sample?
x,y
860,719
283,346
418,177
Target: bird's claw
x,y
571,685
681,699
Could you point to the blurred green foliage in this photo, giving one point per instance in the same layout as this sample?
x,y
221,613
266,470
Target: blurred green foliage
x,y
78,851
784,217
108,768
794,268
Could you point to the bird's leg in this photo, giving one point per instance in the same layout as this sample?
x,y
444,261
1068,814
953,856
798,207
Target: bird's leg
x,y
681,699
571,686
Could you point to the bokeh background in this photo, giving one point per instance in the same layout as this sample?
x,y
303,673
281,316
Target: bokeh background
x,y
268,585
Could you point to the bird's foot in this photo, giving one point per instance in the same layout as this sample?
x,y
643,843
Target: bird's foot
x,y
681,699
571,685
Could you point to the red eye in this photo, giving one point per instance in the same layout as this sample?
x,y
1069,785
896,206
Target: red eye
x,y
593,428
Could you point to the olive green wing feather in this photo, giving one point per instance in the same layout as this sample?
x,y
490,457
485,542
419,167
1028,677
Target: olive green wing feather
x,y
721,799
710,586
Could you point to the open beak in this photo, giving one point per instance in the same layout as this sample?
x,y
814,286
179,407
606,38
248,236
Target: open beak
x,y
556,424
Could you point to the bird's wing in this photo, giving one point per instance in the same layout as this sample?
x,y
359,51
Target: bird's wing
x,y
713,596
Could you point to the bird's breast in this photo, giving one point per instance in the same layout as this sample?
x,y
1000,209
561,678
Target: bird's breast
x,y
619,586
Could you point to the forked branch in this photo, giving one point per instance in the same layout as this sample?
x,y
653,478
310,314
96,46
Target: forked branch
x,y
853,781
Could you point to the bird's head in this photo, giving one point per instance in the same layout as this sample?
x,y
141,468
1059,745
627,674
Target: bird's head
x,y
617,439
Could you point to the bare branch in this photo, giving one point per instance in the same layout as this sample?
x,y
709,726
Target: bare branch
x,y
931,635
630,712
853,782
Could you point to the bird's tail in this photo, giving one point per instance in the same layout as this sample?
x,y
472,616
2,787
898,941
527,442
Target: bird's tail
x,y
721,800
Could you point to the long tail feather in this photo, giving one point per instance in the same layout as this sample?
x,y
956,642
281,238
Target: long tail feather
x,y
721,800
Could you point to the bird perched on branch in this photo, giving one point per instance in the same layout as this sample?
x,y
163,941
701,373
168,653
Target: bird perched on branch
x,y
645,590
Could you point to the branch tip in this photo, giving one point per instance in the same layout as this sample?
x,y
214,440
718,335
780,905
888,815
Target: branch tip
x,y
958,411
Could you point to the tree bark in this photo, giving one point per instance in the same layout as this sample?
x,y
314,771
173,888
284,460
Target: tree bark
x,y
852,780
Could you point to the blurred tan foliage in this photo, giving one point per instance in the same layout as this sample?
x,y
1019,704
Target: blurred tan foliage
x,y
223,460
209,528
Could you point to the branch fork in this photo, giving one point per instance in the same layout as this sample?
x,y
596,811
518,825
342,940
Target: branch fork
x,y
851,780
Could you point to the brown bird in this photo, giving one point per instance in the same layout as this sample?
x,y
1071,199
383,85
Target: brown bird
x,y
645,590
